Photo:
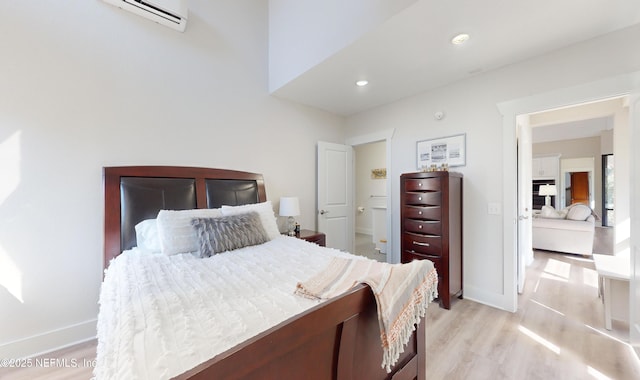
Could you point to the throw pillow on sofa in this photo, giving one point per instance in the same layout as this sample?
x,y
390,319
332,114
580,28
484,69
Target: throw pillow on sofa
x,y
551,213
578,212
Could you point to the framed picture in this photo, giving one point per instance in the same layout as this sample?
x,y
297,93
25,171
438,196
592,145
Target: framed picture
x,y
379,173
444,150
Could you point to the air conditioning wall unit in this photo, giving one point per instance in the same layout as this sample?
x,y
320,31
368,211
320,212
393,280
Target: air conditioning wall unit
x,y
172,13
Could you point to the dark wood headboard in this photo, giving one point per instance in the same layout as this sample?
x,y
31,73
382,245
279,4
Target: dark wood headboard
x,y
136,193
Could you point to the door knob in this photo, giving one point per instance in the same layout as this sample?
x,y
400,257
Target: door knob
x,y
322,212
522,217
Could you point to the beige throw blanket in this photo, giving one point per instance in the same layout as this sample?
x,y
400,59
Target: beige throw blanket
x,y
402,292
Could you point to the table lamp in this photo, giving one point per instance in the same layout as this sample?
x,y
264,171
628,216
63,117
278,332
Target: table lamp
x,y
547,191
290,207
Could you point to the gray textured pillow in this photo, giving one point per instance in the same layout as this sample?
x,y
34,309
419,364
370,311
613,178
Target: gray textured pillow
x,y
227,233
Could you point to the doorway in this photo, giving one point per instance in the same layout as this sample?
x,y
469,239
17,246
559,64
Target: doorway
x,y
371,200
381,187
578,187
612,87
579,182
529,106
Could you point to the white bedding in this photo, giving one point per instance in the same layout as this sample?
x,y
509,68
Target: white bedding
x,y
171,313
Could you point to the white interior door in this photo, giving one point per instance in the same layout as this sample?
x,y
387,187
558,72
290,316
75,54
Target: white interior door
x,y
335,195
525,250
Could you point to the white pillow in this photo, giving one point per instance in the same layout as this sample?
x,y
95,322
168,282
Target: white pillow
x,y
176,233
551,213
264,209
579,212
147,235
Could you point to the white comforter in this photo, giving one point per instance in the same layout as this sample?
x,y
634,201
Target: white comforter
x,y
162,315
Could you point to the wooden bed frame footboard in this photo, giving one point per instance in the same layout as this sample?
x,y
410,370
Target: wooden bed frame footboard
x,y
337,339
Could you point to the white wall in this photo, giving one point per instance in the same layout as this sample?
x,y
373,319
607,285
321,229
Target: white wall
x,y
606,142
305,33
581,112
84,85
471,107
622,177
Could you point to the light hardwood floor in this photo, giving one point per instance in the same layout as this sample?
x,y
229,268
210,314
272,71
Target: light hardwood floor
x,y
557,333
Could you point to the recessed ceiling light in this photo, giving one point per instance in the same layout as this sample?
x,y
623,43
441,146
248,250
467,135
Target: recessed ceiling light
x,y
362,83
460,39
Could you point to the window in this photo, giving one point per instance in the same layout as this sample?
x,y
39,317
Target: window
x,y
608,215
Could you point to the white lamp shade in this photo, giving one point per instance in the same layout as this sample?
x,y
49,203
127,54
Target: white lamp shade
x,y
289,206
547,190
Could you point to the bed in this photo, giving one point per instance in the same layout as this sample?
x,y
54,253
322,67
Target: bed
x,y
335,339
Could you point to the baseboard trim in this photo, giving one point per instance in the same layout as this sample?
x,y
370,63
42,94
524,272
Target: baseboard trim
x,y
49,341
366,231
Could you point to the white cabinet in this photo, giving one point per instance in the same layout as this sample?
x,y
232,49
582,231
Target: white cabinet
x,y
545,167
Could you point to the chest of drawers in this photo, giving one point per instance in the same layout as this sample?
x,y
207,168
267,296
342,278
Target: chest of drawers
x,y
431,226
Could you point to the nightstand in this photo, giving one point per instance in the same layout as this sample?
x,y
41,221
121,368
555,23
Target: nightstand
x,y
313,237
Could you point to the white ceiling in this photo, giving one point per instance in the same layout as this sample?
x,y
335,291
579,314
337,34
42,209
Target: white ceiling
x,y
576,121
411,52
572,130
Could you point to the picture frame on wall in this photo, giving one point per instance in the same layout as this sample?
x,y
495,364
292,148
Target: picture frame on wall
x,y
379,173
450,150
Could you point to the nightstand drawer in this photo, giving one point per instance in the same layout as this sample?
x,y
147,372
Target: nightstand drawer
x,y
313,237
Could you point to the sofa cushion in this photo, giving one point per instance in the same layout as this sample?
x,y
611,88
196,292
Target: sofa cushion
x,y
563,224
552,213
578,212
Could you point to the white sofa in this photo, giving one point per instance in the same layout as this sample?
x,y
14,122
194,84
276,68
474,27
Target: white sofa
x,y
569,230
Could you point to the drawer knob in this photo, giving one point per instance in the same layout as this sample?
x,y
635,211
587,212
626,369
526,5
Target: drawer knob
x,y
420,227
419,198
422,244
419,212
419,184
